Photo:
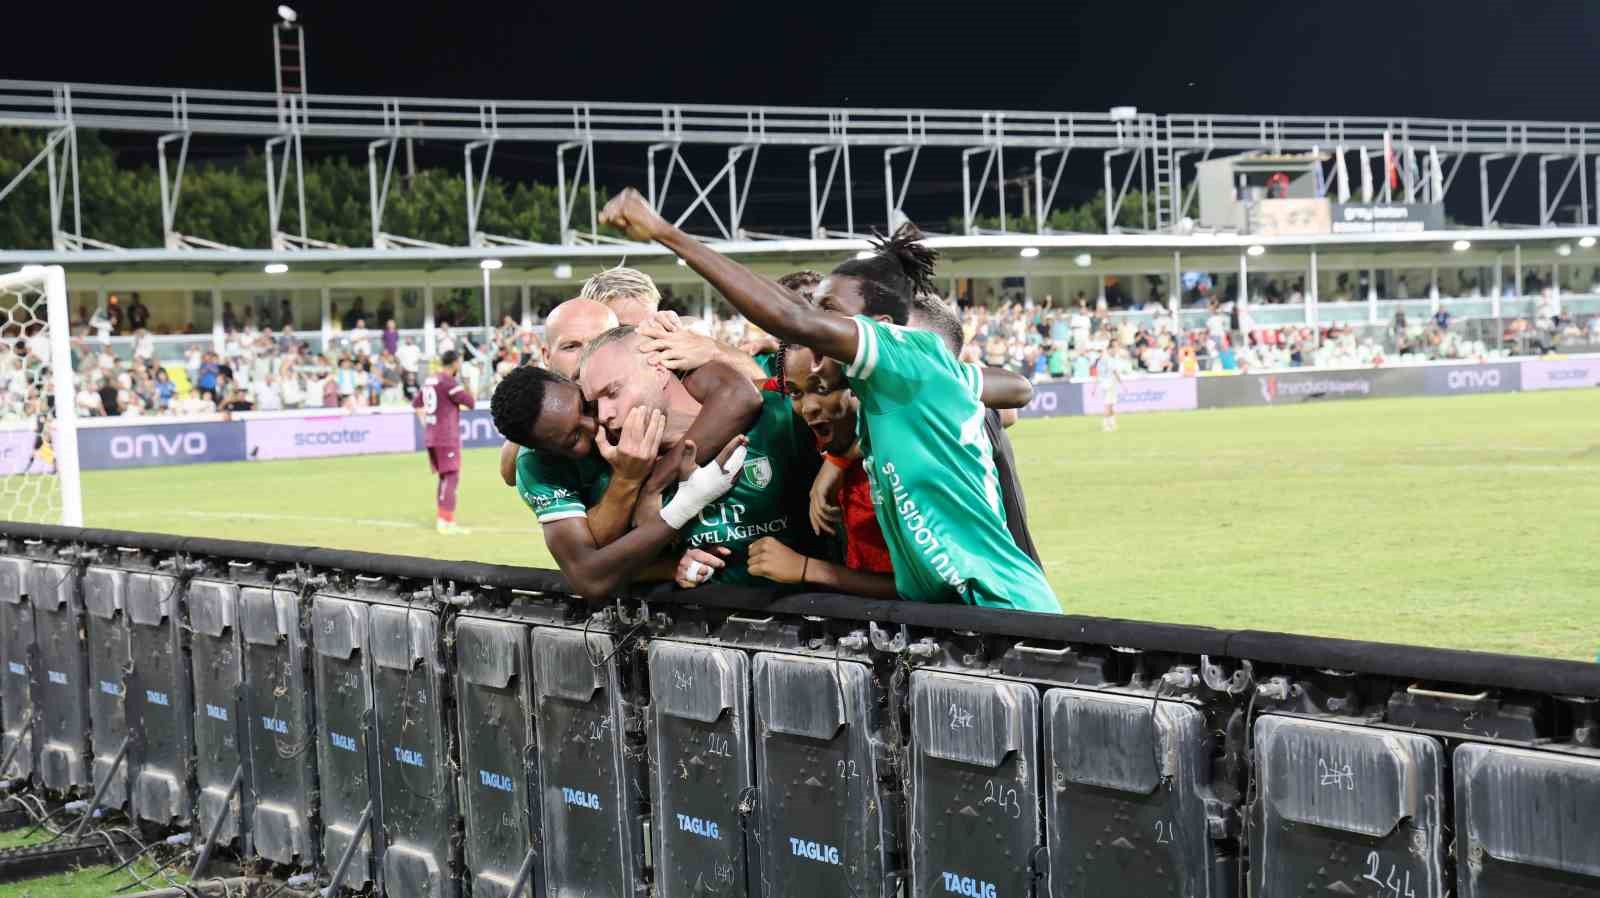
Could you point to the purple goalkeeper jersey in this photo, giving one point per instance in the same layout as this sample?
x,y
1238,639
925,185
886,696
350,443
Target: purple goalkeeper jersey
x,y
441,399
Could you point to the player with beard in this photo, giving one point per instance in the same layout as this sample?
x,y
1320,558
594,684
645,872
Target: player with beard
x,y
623,383
582,483
923,439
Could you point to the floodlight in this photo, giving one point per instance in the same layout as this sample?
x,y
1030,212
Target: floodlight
x,y
1082,260
490,264
1564,249
275,268
287,14
1256,249
1029,252
1586,242
563,271
1461,246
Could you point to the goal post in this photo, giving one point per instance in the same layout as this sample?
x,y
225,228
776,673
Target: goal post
x,y
39,476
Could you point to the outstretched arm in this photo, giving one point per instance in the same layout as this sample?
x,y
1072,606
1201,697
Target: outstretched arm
x,y
1004,389
772,308
729,406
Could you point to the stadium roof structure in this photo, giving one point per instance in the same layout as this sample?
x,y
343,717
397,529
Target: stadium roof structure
x,y
1139,150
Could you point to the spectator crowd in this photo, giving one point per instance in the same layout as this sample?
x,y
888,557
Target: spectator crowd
x,y
267,369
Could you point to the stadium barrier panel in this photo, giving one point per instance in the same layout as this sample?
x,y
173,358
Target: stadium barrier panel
x,y
481,732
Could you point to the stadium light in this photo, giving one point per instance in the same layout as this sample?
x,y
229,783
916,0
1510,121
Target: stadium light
x,y
1082,260
287,14
1030,252
563,271
490,264
1586,242
1256,249
275,268
1564,249
682,264
1461,246
864,254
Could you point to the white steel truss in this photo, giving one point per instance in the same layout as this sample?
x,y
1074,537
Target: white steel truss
x,y
1156,150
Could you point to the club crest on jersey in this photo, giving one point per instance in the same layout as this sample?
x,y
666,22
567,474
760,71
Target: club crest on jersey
x,y
758,472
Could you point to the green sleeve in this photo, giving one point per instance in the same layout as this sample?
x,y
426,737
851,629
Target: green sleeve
x,y
895,360
550,486
768,362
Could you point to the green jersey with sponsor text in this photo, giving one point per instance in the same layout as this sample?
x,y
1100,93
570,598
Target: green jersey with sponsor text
x,y
934,483
768,499
770,492
557,488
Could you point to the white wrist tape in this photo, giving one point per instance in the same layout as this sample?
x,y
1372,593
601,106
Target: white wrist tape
x,y
704,486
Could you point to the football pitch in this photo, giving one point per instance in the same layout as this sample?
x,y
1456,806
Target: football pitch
x,y
1466,522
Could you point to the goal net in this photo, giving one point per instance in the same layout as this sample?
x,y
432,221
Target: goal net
x,y
38,422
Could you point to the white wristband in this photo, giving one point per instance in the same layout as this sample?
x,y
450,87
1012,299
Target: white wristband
x,y
704,486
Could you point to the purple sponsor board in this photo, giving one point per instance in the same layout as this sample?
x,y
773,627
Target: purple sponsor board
x,y
1053,398
1560,374
1149,394
333,435
477,429
16,451
170,442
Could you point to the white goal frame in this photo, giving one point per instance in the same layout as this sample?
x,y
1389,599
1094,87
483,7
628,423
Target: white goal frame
x,y
51,280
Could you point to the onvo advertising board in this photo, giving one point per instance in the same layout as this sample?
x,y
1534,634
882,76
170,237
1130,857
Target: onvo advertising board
x,y
1054,398
1499,377
477,430
143,445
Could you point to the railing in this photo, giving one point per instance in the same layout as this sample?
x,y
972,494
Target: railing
x,y
427,728
260,113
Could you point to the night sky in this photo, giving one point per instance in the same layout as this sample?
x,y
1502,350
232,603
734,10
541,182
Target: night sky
x,y
1455,58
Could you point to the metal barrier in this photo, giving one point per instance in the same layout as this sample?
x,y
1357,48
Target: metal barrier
x,y
437,729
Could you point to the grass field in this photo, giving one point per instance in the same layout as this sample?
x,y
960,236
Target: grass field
x,y
1468,522
83,882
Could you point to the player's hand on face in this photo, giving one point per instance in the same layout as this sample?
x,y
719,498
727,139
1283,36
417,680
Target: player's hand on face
x,y
775,561
634,454
763,343
660,324
679,350
697,566
631,213
824,514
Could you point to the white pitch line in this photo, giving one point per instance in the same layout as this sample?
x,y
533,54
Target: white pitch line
x,y
316,519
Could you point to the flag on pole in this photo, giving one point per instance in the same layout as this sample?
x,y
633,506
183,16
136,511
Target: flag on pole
x,y
1435,176
1413,174
1366,177
1391,172
1322,180
1341,174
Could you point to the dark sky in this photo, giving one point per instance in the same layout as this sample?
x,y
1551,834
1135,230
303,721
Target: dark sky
x,y
1451,58
1468,58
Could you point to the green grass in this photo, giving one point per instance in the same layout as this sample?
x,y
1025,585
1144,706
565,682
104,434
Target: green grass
x,y
83,882
1467,522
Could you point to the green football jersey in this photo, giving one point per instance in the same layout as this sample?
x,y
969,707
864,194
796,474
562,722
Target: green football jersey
x,y
556,487
768,499
768,362
934,483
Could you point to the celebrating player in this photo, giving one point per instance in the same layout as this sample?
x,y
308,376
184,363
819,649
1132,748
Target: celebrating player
x,y
923,438
622,382
438,406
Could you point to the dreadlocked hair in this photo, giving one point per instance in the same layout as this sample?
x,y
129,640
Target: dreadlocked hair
x,y
780,361
900,268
